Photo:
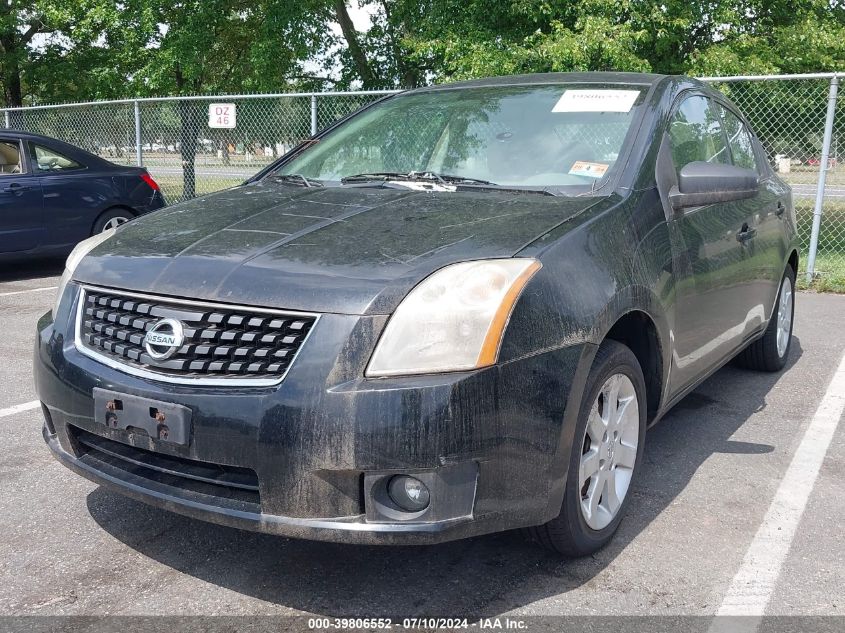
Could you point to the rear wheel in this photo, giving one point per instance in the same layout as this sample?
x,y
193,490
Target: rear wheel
x,y
111,219
606,452
770,352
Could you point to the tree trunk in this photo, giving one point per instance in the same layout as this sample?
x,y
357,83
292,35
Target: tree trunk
x,y
189,127
13,45
12,84
188,132
14,96
365,71
11,73
118,146
409,76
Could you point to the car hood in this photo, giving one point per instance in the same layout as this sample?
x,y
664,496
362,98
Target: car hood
x,y
351,250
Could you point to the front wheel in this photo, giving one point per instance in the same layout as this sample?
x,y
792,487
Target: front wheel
x,y
606,453
770,352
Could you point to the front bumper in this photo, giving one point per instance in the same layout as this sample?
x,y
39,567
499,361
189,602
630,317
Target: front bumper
x,y
341,529
492,444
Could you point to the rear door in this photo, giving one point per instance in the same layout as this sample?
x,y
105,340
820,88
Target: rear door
x,y
21,210
74,194
712,306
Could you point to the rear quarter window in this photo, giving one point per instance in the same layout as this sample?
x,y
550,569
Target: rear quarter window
x,y
48,160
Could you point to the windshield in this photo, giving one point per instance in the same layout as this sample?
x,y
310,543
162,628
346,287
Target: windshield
x,y
565,136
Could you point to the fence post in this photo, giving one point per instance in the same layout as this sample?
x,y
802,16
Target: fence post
x,y
6,112
313,115
823,166
139,155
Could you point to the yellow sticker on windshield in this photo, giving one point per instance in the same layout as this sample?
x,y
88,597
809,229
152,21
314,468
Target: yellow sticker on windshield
x,y
590,170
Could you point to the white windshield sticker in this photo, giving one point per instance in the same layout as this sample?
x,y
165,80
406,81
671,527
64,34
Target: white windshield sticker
x,y
596,101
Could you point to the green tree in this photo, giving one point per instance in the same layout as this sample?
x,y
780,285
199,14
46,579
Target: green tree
x,y
36,37
63,50
194,47
415,41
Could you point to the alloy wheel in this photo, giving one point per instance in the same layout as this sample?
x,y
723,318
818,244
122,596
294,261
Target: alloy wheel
x,y
784,316
114,222
609,451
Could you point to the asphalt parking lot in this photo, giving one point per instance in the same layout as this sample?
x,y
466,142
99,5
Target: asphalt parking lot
x,y
712,469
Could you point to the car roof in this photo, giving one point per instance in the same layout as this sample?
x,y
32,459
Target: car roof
x,y
659,88
71,151
646,79
32,136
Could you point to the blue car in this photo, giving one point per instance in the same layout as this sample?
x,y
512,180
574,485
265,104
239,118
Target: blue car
x,y
54,195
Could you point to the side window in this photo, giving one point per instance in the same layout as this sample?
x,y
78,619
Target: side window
x,y
49,160
739,140
696,133
10,158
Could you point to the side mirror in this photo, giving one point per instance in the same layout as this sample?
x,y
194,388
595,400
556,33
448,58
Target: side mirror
x,y
701,183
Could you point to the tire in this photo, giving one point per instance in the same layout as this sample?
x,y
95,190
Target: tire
x,y
111,218
771,351
570,533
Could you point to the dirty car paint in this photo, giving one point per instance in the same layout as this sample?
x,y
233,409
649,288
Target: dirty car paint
x,y
354,251
316,441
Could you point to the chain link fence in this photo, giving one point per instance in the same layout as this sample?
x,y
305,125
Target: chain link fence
x,y
797,117
172,139
800,121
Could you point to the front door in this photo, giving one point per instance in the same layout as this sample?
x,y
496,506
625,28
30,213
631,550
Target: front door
x,y
712,308
21,212
766,252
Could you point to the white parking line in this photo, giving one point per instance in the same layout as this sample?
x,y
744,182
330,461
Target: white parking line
x,y
19,408
752,587
20,292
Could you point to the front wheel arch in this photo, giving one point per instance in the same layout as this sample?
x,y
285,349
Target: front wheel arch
x,y
636,317
638,332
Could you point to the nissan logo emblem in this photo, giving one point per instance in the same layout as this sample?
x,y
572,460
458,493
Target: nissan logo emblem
x,y
164,339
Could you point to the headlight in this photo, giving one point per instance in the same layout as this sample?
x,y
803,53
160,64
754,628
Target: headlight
x,y
453,320
76,255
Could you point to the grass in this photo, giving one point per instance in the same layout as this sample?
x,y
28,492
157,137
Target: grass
x,y
171,185
807,174
830,258
154,160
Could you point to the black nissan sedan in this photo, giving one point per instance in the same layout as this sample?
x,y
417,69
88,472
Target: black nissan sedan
x,y
54,195
452,313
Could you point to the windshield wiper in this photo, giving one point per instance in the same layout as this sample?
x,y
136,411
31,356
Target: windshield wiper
x,y
415,176
441,179
297,179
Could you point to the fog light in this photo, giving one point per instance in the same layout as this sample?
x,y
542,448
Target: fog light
x,y
408,493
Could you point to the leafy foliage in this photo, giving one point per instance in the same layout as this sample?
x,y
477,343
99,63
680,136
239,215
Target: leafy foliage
x,y
60,50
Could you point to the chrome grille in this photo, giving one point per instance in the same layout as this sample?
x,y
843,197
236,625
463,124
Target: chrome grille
x,y
222,343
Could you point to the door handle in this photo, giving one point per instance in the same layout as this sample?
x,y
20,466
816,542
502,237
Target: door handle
x,y
781,208
746,233
14,188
